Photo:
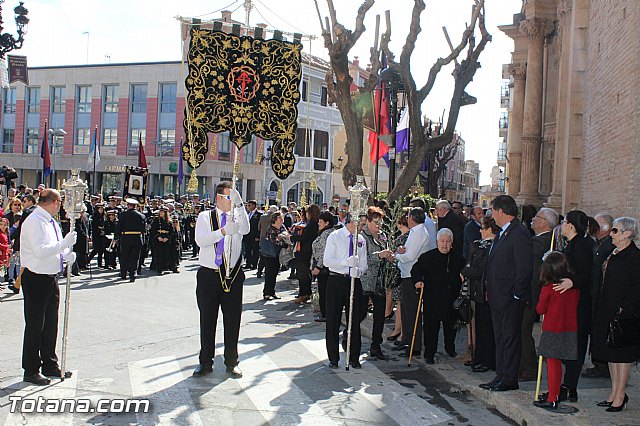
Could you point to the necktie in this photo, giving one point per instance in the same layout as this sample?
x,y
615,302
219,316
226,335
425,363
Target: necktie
x,y
350,248
220,245
55,229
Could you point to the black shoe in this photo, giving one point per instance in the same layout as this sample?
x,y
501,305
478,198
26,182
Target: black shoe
x,y
480,368
202,369
13,289
124,277
378,354
415,354
547,405
54,372
355,364
572,395
562,396
452,354
491,384
234,371
504,387
258,275
393,337
37,379
390,317
267,297
604,403
429,360
400,347
320,318
333,365
619,408
132,279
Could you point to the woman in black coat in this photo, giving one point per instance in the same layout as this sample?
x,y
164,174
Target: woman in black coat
x,y
484,352
579,252
620,293
303,259
438,271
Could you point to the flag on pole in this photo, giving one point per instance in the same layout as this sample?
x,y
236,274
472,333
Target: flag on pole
x,y
94,152
142,159
381,108
46,156
180,169
402,132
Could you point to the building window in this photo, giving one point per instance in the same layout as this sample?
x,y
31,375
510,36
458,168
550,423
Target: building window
x,y
110,137
303,143
168,97
224,147
137,135
84,99
33,100
250,151
33,139
57,97
7,140
320,150
111,98
84,137
167,142
304,90
323,96
138,98
9,100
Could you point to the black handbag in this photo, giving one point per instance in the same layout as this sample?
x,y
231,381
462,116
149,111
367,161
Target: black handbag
x,y
623,332
462,307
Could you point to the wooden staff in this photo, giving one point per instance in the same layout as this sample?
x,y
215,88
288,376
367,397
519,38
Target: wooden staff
x,y
415,325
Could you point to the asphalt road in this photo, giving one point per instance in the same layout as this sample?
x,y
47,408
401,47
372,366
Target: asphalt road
x,y
141,340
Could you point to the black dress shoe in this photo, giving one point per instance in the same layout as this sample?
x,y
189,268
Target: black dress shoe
x,y
452,354
258,275
393,337
132,279
378,354
234,371
202,369
416,353
547,405
355,364
490,384
14,289
480,368
333,365
429,360
504,387
320,318
37,379
53,372
604,403
400,347
614,409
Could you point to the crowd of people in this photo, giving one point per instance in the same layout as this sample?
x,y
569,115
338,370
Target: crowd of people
x,y
513,267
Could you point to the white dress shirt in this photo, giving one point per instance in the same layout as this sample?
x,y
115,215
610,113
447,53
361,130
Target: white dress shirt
x,y
430,226
207,239
336,252
41,243
417,243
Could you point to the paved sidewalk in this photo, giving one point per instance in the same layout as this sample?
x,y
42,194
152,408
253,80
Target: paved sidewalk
x,y
518,405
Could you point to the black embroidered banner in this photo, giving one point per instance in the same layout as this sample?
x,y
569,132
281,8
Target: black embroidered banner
x,y
245,86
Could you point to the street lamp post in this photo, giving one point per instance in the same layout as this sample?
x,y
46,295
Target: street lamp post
x,y
7,41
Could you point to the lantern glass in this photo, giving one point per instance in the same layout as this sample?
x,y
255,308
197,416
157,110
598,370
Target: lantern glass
x,y
359,197
74,190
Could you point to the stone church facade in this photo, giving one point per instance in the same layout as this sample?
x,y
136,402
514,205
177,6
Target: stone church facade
x,y
574,134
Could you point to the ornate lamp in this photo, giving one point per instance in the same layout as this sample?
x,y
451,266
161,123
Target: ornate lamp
x,y
7,41
73,204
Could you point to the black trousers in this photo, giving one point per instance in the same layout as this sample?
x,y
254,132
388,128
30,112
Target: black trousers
x,y
379,306
261,264
485,350
251,253
272,267
211,298
409,304
507,328
129,258
323,277
304,275
529,361
573,368
41,302
338,292
432,331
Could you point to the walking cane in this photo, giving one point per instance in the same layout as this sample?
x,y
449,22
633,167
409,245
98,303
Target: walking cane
x,y
415,325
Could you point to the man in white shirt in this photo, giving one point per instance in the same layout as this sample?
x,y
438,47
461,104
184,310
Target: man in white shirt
x,y
343,263
429,224
220,241
407,255
42,251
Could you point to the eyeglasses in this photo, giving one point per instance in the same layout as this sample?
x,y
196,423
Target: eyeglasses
x,y
616,230
377,223
226,197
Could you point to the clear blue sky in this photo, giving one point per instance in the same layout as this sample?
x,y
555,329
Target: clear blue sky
x,y
145,30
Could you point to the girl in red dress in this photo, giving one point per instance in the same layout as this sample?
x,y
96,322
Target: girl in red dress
x,y
559,340
5,246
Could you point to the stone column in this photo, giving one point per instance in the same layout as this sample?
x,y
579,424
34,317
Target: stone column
x,y
536,29
514,144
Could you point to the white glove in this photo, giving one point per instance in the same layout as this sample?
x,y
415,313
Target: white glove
x,y
231,228
70,257
70,240
354,272
352,261
235,196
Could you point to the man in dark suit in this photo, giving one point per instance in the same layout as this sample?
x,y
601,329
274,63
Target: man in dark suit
x,y
472,230
447,218
251,241
508,281
542,224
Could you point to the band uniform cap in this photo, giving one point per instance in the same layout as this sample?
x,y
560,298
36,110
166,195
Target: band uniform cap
x,y
112,211
132,201
95,197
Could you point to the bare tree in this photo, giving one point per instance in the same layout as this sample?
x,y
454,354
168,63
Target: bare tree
x,y
338,40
